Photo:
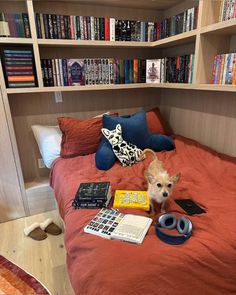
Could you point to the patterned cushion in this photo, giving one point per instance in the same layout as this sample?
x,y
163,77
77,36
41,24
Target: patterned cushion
x,y
127,153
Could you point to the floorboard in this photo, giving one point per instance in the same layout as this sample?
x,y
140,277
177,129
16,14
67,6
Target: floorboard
x,y
46,260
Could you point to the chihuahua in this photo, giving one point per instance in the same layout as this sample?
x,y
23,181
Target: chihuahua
x,y
160,183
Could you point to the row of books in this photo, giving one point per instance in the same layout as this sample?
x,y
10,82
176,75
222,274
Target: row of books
x,y
18,65
14,25
77,72
224,69
177,69
52,26
227,10
74,72
177,24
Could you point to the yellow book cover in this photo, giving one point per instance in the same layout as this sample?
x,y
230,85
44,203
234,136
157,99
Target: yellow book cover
x,y
131,199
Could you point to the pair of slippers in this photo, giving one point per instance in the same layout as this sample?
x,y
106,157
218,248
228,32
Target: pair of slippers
x,y
38,231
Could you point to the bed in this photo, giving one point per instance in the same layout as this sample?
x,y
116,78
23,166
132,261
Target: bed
x,y
205,264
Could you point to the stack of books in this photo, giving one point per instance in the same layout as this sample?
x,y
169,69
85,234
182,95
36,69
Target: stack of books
x,y
19,67
92,195
75,72
227,10
224,69
18,24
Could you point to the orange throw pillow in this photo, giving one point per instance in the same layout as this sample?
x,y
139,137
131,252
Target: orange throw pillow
x,y
79,137
156,123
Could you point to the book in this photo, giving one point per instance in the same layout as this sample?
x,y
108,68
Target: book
x,y
131,199
153,70
18,66
76,72
111,224
92,195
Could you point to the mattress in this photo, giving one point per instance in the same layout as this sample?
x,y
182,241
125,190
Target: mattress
x,y
205,264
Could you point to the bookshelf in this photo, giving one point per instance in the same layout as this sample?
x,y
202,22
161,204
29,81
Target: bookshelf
x,y
211,37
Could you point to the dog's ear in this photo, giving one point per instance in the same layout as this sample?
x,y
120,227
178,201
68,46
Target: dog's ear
x,y
175,178
150,178
105,132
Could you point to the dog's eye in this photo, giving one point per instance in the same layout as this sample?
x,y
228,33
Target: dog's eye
x,y
158,184
169,185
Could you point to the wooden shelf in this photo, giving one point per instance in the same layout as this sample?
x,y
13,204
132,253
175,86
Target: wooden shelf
x,y
224,28
78,88
6,40
90,43
213,87
176,40
209,87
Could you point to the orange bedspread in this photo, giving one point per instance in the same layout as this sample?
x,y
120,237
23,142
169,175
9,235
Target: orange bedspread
x,y
204,265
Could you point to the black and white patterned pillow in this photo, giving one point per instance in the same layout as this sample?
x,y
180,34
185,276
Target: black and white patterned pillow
x,y
127,153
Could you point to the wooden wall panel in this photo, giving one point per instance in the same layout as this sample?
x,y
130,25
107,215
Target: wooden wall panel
x,y
45,111
11,202
207,117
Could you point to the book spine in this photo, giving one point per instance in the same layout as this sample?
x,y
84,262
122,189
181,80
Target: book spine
x,y
92,28
58,72
25,18
91,205
50,73
234,10
54,74
214,70
50,26
112,29
107,28
38,26
65,72
88,24
41,23
54,26
75,27
62,25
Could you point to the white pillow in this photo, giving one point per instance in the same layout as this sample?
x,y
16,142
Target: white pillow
x,y
49,142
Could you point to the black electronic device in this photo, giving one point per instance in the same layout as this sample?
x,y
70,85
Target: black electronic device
x,y
189,206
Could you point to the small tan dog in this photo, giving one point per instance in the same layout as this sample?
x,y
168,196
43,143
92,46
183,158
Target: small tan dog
x,y
160,183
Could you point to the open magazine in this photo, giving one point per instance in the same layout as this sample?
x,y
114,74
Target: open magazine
x,y
111,224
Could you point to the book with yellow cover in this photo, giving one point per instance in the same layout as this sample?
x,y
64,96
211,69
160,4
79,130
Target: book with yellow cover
x,y
131,199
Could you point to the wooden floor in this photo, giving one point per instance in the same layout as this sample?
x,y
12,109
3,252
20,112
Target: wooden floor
x,y
46,260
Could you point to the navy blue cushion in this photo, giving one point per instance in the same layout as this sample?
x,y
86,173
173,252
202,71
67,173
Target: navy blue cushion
x,y
158,142
105,157
134,130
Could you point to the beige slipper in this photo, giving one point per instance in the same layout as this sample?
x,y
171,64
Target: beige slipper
x,y
50,227
35,232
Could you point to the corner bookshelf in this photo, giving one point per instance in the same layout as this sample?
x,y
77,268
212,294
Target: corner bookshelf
x,y
211,37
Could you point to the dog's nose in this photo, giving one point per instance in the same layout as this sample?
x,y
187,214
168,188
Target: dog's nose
x,y
165,194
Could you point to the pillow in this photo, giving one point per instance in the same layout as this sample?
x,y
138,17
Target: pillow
x,y
105,158
134,131
127,153
48,139
134,128
79,137
156,123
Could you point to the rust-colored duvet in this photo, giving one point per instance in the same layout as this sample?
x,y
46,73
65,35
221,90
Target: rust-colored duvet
x,y
204,265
